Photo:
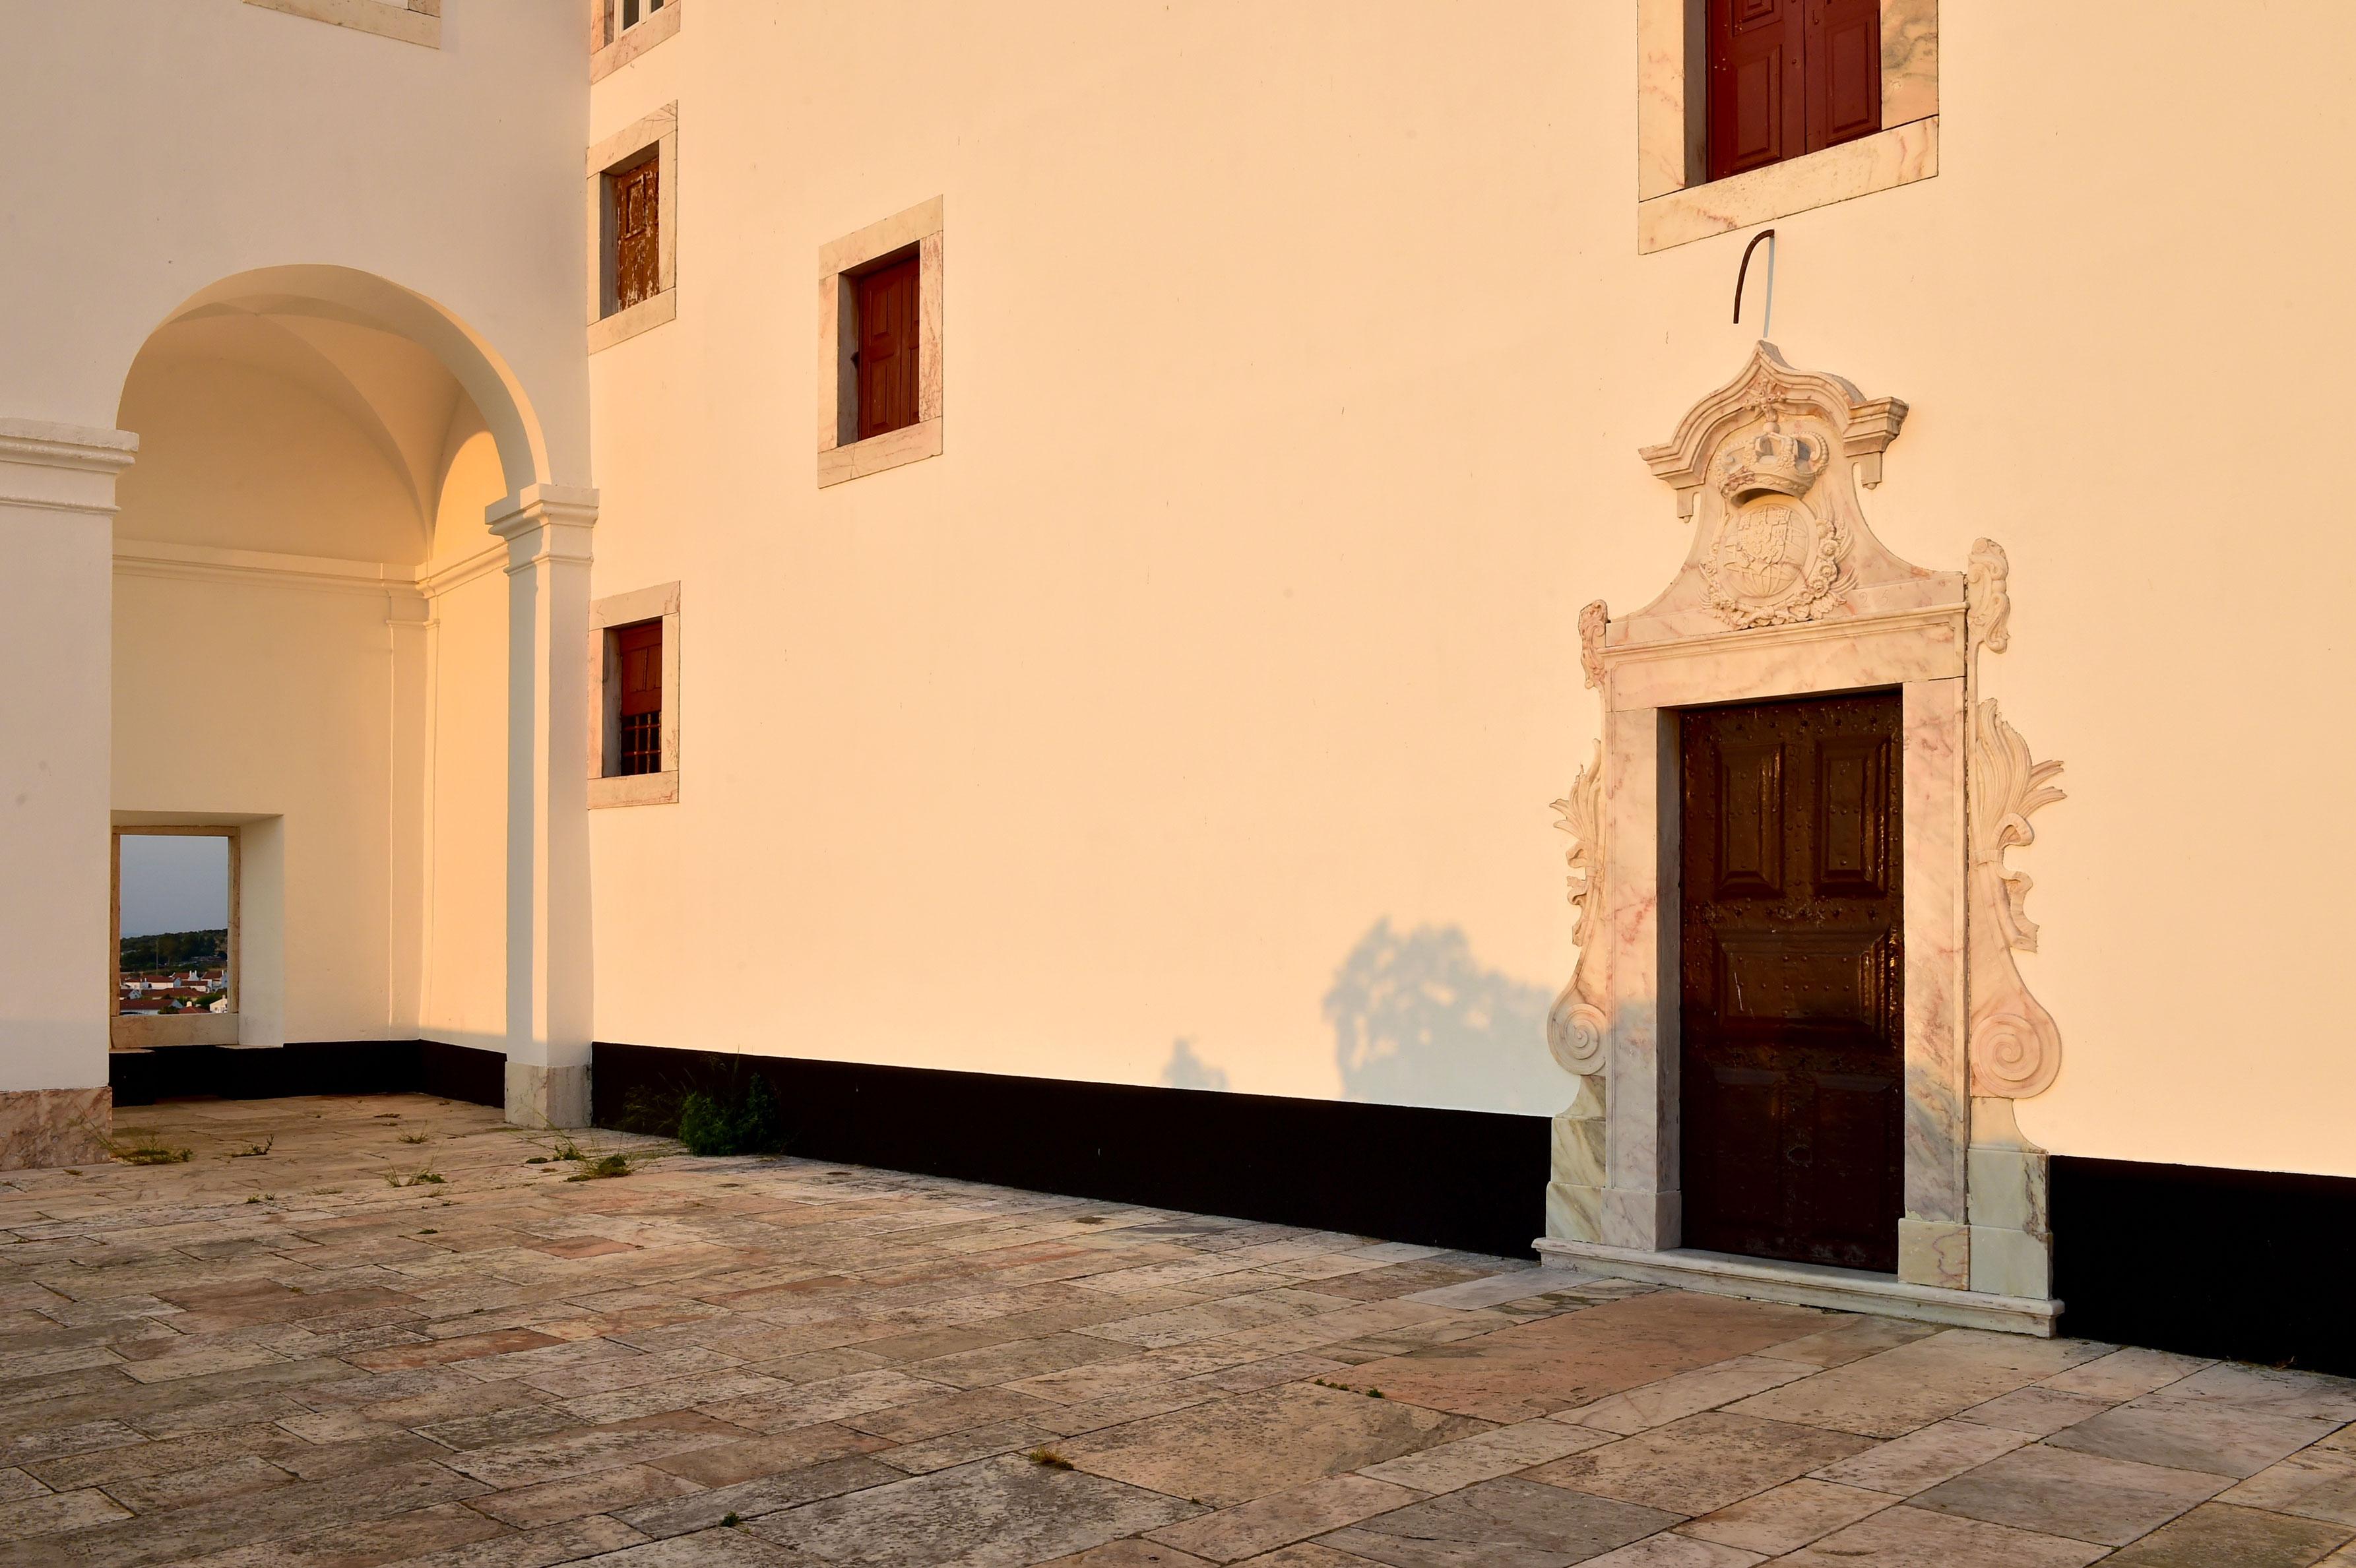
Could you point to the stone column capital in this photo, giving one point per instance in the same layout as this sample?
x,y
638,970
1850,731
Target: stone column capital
x,y
544,522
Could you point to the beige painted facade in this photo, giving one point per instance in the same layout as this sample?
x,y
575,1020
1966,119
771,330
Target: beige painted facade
x,y
1191,714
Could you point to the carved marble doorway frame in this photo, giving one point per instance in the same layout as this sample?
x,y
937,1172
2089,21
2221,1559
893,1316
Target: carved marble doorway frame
x,y
1786,592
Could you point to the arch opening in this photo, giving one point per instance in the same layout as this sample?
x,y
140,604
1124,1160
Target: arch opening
x,y
310,644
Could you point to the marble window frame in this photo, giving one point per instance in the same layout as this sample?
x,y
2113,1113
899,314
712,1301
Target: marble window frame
x,y
408,21
612,47
842,455
655,136
607,788
1677,203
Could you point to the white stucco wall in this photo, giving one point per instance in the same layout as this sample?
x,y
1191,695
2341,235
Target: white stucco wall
x,y
1296,362
465,998
1193,717
304,739
231,137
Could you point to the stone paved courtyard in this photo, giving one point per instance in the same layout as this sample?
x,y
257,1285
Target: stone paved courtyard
x,y
317,1355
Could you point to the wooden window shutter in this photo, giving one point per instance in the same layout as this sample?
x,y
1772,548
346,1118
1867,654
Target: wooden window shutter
x,y
637,249
1757,84
1788,76
637,669
887,347
1844,65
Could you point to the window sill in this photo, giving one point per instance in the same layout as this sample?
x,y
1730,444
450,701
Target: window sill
x,y
410,21
652,311
635,789
141,1031
1899,156
605,62
909,443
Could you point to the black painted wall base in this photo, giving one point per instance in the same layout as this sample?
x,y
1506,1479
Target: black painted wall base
x,y
2248,1265
311,1067
2242,1265
1449,1178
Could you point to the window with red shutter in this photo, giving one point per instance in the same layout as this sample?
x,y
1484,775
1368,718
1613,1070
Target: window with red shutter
x,y
637,671
638,264
1788,76
885,301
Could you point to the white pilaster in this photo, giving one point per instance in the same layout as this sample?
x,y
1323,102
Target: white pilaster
x,y
408,635
57,503
547,528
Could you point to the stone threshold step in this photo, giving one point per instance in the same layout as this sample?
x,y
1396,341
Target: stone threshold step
x,y
1807,1284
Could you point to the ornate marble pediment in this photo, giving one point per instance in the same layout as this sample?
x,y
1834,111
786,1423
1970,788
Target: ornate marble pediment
x,y
1767,467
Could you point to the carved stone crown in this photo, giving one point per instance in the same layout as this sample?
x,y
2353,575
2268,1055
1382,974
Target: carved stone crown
x,y
1773,462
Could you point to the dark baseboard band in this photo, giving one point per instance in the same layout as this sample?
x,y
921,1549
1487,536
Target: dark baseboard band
x,y
2247,1265
310,1067
1468,1180
2239,1264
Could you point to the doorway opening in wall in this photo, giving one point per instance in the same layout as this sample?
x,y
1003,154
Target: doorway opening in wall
x,y
1791,1005
176,937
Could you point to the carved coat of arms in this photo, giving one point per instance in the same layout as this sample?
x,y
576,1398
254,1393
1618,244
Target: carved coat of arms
x,y
1775,560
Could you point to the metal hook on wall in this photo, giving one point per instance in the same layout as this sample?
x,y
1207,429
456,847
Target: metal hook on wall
x,y
1767,315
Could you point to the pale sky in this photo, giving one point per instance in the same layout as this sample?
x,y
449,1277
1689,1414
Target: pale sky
x,y
174,882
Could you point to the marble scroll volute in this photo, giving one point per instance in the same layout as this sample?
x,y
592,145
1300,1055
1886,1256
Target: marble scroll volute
x,y
1576,1025
2016,1047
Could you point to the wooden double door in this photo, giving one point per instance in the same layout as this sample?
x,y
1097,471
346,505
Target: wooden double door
x,y
1792,1049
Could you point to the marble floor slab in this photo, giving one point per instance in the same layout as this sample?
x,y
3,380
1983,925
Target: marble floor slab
x,y
1786,1518
1568,1361
2083,1496
1233,1448
1702,1463
2225,1440
309,1359
1510,1523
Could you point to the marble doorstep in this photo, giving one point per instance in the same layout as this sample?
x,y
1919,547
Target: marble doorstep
x,y
286,1358
1805,1284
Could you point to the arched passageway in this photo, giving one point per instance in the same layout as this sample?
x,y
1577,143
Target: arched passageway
x,y
347,608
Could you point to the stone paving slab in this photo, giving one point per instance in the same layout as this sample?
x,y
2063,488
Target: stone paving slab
x,y
313,1358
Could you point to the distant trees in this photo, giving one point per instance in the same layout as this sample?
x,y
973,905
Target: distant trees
x,y
175,950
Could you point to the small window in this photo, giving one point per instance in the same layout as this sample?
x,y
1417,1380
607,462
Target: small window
x,y
636,197
879,340
1788,76
628,14
886,354
622,30
637,664
634,697
634,228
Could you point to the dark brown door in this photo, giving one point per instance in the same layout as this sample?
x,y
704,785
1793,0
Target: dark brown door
x,y
1788,76
1793,1051
887,348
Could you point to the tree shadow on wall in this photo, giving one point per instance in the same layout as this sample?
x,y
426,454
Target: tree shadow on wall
x,y
1417,1023
1184,1069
